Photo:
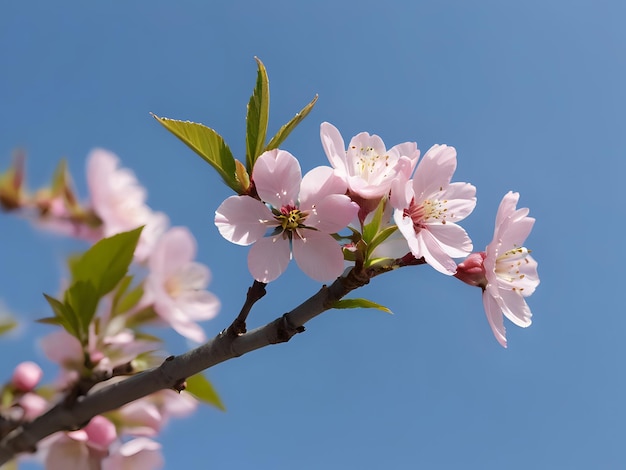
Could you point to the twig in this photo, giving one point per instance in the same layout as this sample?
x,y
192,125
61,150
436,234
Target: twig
x,y
175,369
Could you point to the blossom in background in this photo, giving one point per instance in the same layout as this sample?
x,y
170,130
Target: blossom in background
x,y
368,169
300,214
176,285
119,201
429,206
140,453
84,448
505,270
26,376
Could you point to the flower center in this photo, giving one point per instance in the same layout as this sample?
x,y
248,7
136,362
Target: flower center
x,y
509,266
368,162
428,212
291,218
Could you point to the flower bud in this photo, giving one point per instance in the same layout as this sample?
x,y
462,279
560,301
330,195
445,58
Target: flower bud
x,y
26,376
472,271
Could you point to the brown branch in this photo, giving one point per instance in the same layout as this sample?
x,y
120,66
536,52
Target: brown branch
x,y
255,293
175,369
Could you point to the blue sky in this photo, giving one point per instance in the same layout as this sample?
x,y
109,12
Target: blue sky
x,y
532,96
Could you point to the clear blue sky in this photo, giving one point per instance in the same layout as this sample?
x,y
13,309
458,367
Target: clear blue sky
x,y
532,95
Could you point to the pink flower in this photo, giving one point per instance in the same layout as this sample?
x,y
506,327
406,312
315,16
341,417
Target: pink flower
x,y
33,405
26,376
84,448
119,200
505,271
137,454
367,167
176,284
300,212
429,206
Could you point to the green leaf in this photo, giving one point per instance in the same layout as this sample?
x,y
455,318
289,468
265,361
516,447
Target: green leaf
x,y
50,321
123,303
208,144
66,317
200,387
380,237
7,324
284,131
359,303
257,117
82,297
105,264
370,230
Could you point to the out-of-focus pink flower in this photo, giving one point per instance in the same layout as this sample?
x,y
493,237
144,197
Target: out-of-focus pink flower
x,y
137,454
300,212
33,405
147,416
429,207
367,167
26,376
505,271
84,448
107,349
119,200
176,284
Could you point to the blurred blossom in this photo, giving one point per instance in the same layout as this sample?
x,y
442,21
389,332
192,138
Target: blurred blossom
x,y
26,376
137,454
176,284
119,201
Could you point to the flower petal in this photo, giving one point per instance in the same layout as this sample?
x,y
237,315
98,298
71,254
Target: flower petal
x,y
332,214
268,258
434,171
319,183
318,255
334,147
277,177
515,308
452,239
494,317
242,220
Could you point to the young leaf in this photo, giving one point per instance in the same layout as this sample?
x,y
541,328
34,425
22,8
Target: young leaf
x,y
380,237
7,324
200,387
284,131
359,303
257,117
129,300
106,262
370,230
66,317
208,144
82,297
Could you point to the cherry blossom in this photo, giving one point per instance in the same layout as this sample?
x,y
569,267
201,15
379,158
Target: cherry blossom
x,y
367,167
84,448
176,284
505,270
300,214
119,201
428,207
140,453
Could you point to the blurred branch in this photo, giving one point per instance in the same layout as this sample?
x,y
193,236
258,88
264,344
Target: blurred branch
x,y
67,416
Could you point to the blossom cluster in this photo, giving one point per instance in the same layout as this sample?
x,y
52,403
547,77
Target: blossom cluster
x,y
287,214
172,292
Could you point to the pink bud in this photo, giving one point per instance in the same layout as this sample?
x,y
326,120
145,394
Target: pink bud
x,y
33,405
472,271
100,432
26,376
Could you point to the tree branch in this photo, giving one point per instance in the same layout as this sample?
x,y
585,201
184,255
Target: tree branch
x,y
67,416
